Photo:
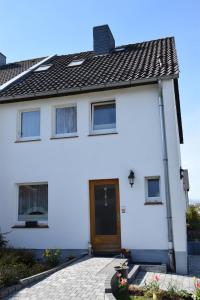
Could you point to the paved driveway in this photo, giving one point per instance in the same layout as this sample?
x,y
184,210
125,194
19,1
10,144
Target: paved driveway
x,y
83,280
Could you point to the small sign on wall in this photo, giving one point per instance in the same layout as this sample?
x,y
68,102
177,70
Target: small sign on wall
x,y
123,209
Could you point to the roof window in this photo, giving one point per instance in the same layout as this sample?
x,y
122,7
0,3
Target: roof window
x,y
42,68
119,49
75,63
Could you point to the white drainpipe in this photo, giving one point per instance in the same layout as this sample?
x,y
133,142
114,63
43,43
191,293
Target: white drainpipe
x,y
166,178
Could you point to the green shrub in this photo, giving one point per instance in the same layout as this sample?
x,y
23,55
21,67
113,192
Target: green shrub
x,y
38,268
11,256
12,273
193,217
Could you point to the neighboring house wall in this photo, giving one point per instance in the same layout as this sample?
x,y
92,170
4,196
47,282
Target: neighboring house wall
x,y
68,165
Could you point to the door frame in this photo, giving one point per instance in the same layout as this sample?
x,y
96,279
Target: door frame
x,y
92,183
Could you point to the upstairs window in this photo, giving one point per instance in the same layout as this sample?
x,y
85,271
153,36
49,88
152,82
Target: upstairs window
x,y
29,124
104,116
33,202
153,189
65,120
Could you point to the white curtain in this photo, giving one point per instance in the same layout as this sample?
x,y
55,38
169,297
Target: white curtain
x,y
66,120
33,202
30,123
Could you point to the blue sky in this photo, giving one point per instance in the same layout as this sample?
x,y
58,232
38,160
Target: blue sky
x,y
42,27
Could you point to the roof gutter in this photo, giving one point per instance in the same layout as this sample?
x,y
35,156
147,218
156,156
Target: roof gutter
x,y
32,68
166,178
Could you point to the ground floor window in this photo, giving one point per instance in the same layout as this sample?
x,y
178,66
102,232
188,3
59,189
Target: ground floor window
x,y
153,189
33,202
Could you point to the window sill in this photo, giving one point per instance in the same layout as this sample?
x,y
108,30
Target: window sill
x,y
28,140
63,137
39,226
102,133
153,203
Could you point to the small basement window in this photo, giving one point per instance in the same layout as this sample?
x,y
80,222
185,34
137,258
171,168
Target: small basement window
x,y
75,63
42,68
152,189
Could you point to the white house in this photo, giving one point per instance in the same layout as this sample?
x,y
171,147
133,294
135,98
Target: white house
x,y
90,152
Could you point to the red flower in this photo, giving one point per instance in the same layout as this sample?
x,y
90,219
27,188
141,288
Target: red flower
x,y
123,281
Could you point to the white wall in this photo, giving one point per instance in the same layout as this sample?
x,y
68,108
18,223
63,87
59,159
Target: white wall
x,y
68,164
178,197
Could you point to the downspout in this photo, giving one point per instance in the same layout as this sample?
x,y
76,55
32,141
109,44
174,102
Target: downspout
x,y
166,178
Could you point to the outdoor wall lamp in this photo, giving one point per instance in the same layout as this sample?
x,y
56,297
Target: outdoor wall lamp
x,y
131,178
181,173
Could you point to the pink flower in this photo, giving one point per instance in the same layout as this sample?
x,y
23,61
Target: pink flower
x,y
123,281
156,278
119,274
197,285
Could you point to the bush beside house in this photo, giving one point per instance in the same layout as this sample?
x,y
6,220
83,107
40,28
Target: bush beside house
x,y
16,264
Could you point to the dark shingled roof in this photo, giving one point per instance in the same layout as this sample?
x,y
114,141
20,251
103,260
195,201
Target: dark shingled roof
x,y
135,62
11,70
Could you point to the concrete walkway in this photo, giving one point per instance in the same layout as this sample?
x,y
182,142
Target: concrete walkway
x,y
85,279
178,281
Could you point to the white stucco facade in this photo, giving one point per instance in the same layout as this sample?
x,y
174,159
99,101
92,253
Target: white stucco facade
x,y
68,164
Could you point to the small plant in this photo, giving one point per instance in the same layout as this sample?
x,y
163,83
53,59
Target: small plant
x,y
52,257
172,290
122,284
153,288
3,241
196,294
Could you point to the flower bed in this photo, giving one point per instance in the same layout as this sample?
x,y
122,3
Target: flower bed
x,y
152,290
18,264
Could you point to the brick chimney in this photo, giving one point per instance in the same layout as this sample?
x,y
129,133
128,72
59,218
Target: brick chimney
x,y
103,39
2,59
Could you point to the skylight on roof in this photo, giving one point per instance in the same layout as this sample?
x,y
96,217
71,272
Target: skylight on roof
x,y
119,49
75,63
42,68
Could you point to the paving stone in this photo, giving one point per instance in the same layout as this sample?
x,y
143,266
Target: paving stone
x,y
84,279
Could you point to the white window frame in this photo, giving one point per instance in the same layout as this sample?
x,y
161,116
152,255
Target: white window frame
x,y
105,130
63,135
152,199
21,222
19,123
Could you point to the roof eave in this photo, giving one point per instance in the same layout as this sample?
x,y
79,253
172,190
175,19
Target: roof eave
x,y
84,89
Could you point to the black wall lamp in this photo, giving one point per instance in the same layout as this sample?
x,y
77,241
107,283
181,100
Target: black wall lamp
x,y
181,173
131,178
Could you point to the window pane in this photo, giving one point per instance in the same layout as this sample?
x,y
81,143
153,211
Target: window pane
x,y
30,123
104,116
153,188
105,210
66,120
33,202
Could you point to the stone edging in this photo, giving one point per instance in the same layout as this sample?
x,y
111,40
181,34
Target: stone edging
x,y
37,277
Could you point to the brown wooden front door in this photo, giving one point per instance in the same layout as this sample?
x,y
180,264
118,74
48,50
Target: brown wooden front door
x,y
105,215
